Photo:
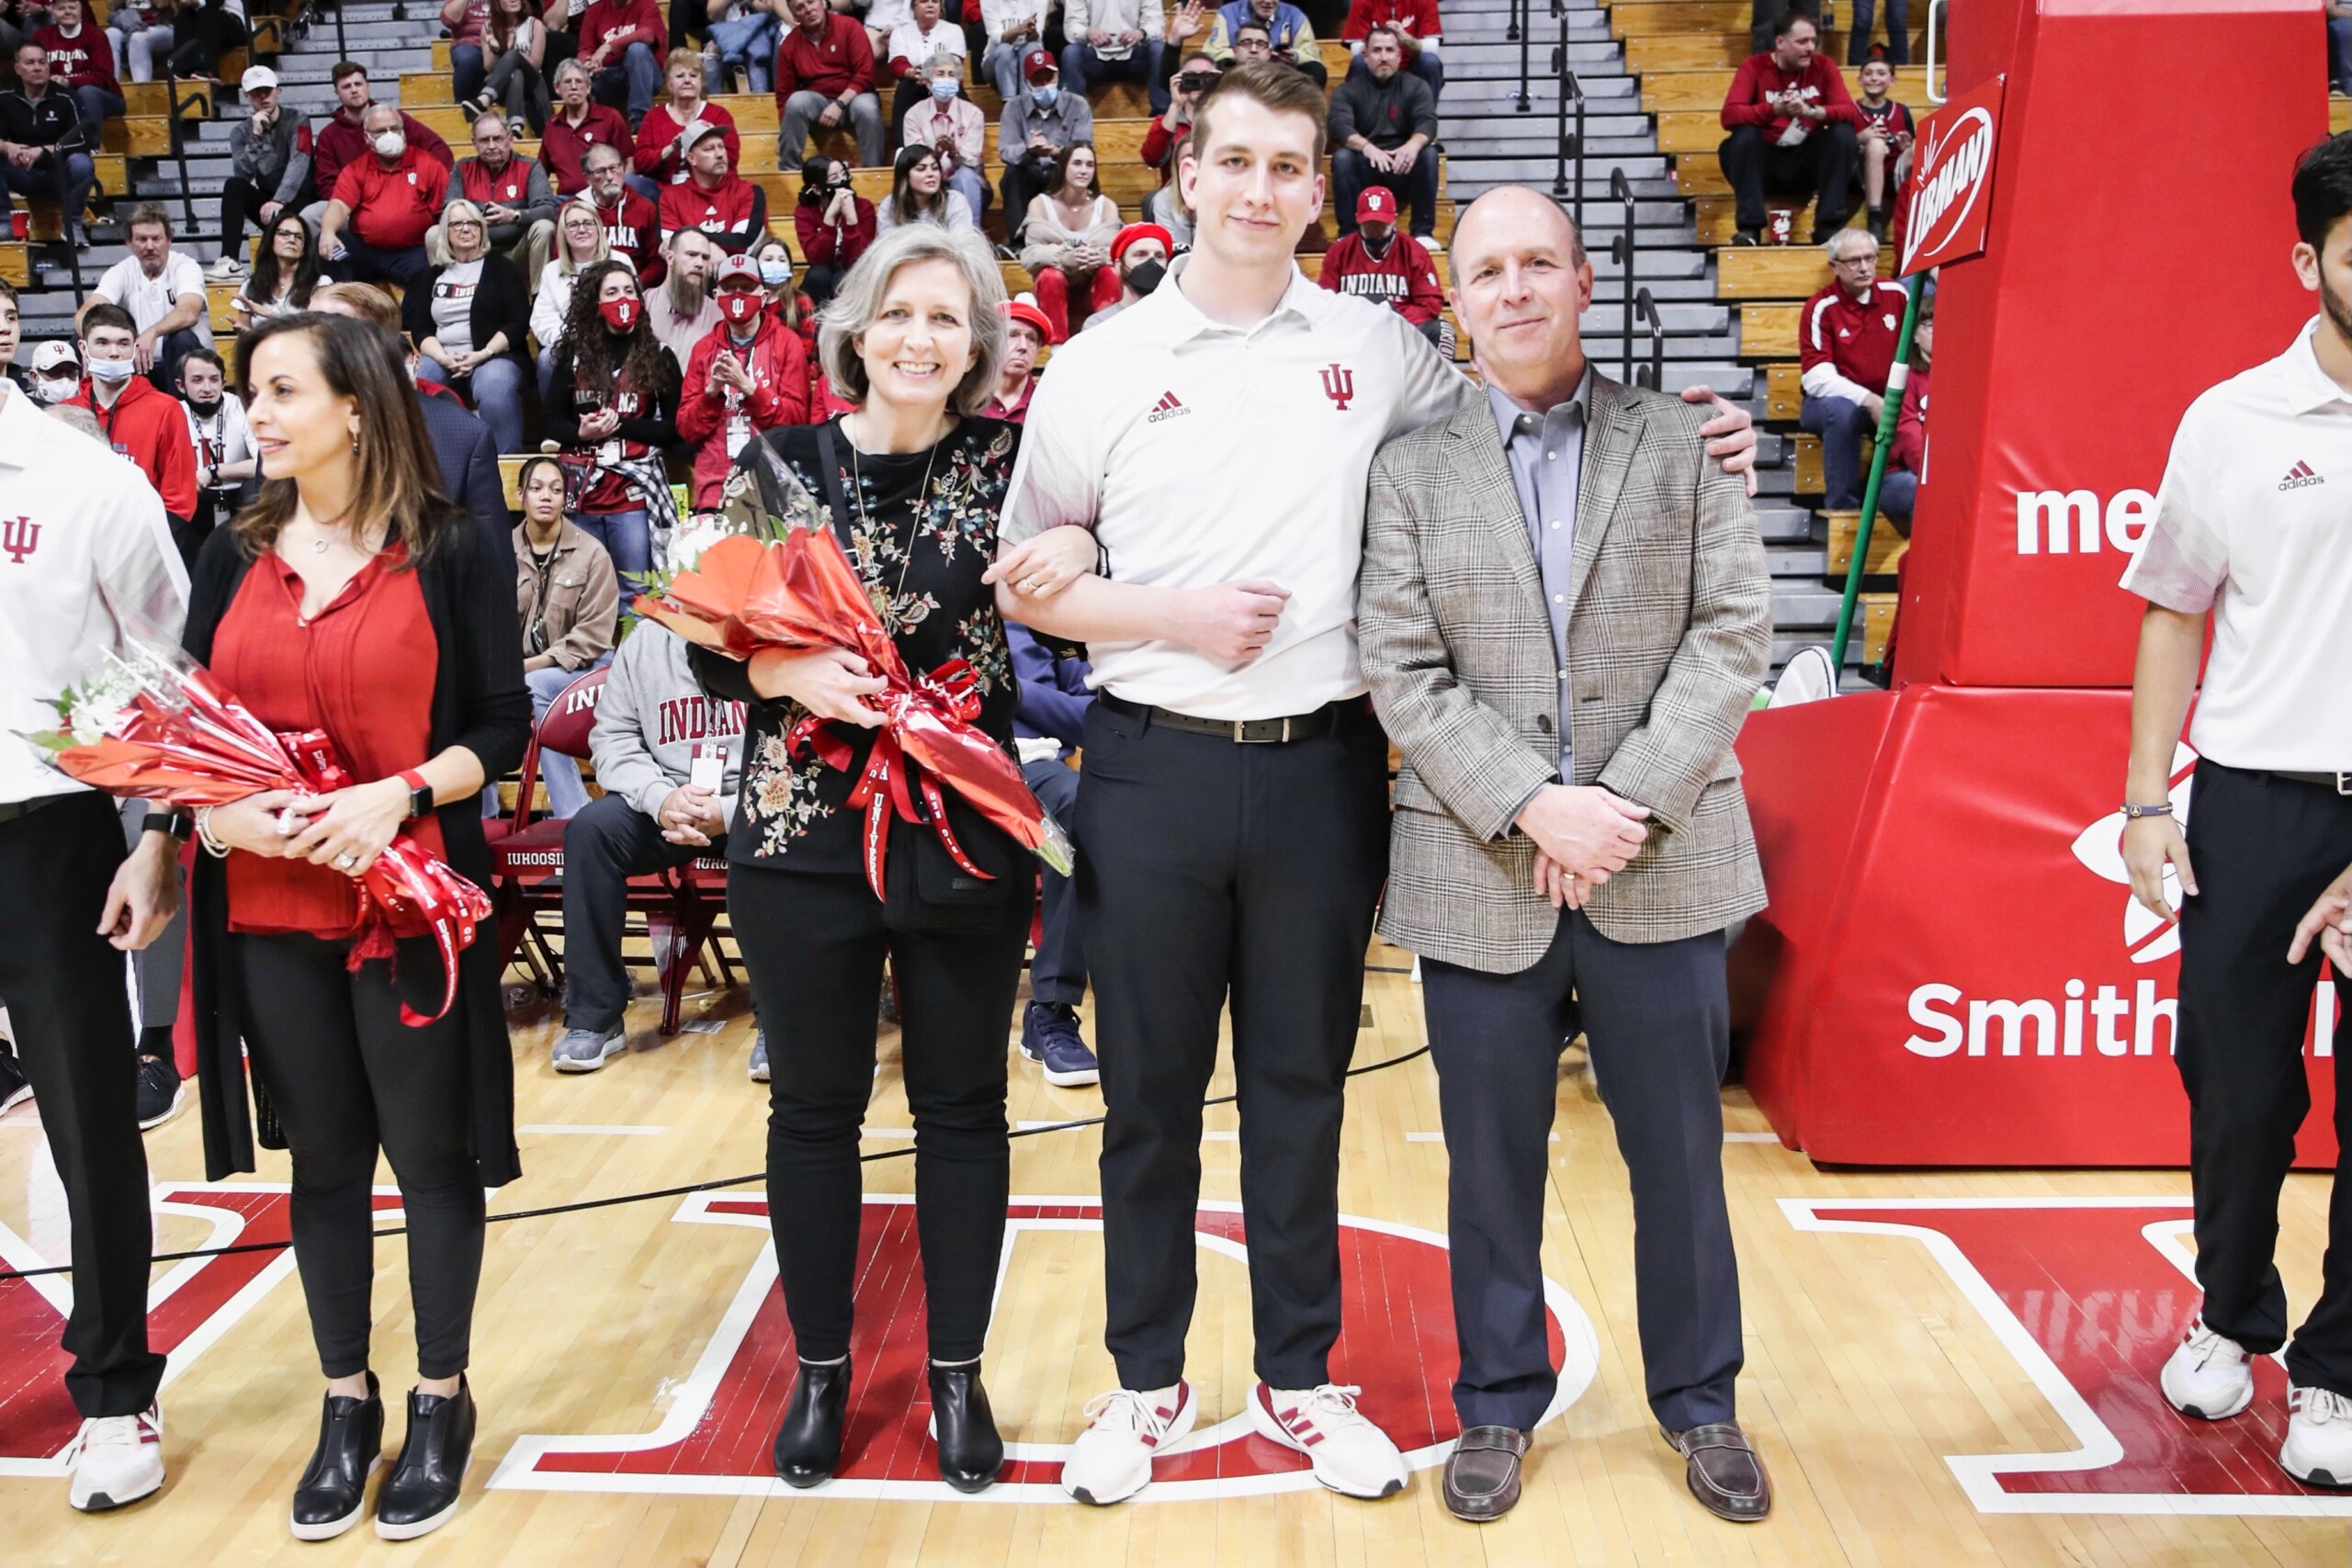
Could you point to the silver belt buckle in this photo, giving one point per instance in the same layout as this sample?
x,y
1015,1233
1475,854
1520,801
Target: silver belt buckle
x,y
1241,733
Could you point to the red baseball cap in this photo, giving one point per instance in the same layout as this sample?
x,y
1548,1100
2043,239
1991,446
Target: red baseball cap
x,y
1036,65
1133,232
1376,205
1021,311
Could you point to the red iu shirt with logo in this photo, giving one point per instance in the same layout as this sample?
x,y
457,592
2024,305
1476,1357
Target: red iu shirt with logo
x,y
508,187
1857,336
392,208
732,214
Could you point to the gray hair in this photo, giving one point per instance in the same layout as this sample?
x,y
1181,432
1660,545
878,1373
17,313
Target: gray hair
x,y
458,208
374,109
858,299
940,57
74,414
572,63
1836,243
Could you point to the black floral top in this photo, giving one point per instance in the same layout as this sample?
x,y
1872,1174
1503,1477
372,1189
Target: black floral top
x,y
920,559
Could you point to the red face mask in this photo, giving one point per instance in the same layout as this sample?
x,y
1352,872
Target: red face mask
x,y
739,306
620,314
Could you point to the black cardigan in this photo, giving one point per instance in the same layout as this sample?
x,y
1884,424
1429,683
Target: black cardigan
x,y
480,703
499,306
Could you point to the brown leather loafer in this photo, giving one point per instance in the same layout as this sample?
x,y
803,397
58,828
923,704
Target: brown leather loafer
x,y
1724,1472
1482,1473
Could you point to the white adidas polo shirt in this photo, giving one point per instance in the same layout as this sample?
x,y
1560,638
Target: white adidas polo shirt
x,y
1202,454
2254,523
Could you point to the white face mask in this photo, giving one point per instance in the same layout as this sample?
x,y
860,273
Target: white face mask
x,y
389,143
53,389
112,369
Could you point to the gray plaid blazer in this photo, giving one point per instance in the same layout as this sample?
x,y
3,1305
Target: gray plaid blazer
x,y
1670,633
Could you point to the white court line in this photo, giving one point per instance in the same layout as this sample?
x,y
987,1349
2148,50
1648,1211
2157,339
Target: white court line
x,y
1210,1136
590,1130
1728,1137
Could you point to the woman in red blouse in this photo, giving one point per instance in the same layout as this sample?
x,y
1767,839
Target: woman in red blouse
x,y
319,607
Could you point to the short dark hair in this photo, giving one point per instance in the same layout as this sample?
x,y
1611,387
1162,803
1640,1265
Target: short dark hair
x,y
148,214
199,355
1270,85
345,68
1789,20
106,313
532,464
1391,28
34,44
1252,25
2323,188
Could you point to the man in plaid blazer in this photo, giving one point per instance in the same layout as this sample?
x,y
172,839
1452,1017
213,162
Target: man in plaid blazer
x,y
1565,610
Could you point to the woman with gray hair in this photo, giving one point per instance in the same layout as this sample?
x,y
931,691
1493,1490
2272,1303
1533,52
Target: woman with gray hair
x,y
911,482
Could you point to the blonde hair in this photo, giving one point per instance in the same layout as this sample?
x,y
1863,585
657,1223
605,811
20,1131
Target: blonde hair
x,y
858,300
568,267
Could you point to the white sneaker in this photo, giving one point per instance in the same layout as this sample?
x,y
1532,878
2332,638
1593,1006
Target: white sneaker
x,y
2318,1449
225,269
1352,1456
117,1459
2207,1376
1110,1461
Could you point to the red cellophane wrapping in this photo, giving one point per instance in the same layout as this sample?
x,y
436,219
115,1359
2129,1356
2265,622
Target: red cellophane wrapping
x,y
180,736
798,592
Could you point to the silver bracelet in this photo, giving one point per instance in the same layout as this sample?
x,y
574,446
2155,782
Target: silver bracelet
x,y
2133,812
212,845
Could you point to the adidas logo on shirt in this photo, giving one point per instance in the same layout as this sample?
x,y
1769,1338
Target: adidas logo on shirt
x,y
2301,476
1169,406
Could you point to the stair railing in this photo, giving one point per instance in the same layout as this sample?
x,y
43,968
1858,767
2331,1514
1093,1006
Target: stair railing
x,y
1521,32
1652,375
1620,247
1571,148
178,106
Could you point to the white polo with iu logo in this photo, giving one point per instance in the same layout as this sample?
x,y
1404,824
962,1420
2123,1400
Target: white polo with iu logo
x,y
1202,454
2254,523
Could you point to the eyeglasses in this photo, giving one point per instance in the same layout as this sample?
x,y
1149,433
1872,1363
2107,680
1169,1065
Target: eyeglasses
x,y
1868,258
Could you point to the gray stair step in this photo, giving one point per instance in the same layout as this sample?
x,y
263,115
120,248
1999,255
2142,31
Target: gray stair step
x,y
1784,524
1492,60
1680,321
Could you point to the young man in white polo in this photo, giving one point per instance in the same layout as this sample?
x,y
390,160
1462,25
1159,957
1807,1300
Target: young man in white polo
x,y
1235,797
2253,531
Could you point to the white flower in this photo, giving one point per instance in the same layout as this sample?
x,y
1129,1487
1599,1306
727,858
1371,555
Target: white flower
x,y
95,708
687,545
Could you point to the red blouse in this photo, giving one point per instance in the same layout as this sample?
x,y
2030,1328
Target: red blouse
x,y
362,670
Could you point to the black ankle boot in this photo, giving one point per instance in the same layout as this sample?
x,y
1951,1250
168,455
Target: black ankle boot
x,y
422,1492
333,1492
971,1452
808,1444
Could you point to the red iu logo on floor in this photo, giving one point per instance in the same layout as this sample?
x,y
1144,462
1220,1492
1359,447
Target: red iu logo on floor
x,y
715,1436
2089,1295
1339,386
193,1304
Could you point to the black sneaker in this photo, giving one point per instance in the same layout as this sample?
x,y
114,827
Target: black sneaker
x,y
160,1092
1748,237
1049,1037
14,1089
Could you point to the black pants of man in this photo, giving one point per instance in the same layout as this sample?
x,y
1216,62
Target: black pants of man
x,y
62,984
1822,165
1659,1025
1216,870
1024,178
347,1077
1057,970
159,964
2263,848
814,943
605,844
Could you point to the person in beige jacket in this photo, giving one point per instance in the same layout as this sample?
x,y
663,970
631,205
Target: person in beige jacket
x,y
569,598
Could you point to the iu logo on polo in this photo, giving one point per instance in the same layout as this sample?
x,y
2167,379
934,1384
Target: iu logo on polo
x,y
2088,1296
1339,386
714,1433
19,537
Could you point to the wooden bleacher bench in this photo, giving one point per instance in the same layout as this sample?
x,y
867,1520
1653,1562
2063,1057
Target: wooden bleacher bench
x,y
17,262
2339,114
1875,612
1710,51
1783,392
1769,332
1670,90
1780,272
1887,547
138,136
145,99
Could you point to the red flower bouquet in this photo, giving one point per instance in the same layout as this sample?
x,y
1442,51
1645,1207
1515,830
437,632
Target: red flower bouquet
x,y
769,583
154,725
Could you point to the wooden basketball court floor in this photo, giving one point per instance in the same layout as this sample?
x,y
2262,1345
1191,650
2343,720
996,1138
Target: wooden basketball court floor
x,y
1941,1367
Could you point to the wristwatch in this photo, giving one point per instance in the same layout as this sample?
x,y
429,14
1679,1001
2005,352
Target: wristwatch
x,y
420,793
178,823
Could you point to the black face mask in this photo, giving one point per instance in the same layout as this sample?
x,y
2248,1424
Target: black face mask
x,y
1144,277
205,409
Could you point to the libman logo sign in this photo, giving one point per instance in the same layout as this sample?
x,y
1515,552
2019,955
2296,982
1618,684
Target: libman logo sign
x,y
1950,197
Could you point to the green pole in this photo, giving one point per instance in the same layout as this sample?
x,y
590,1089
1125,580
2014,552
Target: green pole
x,y
1890,409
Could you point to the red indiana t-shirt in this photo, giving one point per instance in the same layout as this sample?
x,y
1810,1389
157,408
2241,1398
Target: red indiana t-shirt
x,y
392,208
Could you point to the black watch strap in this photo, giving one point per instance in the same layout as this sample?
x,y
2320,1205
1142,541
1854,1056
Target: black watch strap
x,y
179,824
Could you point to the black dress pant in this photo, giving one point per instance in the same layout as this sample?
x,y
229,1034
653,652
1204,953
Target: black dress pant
x,y
62,984
1215,871
2263,848
1659,1025
607,842
346,1076
814,943
1057,970
1822,165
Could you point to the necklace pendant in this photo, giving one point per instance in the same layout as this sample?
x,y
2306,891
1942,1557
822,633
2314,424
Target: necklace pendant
x,y
317,546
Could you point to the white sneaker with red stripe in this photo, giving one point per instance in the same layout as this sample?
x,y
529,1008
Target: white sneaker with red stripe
x,y
1352,1456
117,1459
1125,1430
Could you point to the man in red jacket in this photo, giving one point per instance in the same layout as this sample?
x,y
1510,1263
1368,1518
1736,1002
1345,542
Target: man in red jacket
x,y
715,198
386,201
824,75
1793,128
750,373
343,140
576,126
1378,263
81,60
617,43
632,224
1846,342
147,426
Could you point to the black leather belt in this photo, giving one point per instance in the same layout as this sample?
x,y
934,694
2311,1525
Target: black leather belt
x,y
2339,783
1242,731
11,809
